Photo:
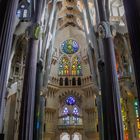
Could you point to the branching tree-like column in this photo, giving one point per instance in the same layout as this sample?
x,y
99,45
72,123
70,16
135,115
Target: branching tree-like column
x,y
92,35
6,37
112,118
28,95
132,12
39,100
3,7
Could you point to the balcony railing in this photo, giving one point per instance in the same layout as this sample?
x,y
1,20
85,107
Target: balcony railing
x,y
70,122
65,127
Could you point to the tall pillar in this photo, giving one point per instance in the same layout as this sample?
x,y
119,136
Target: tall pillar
x,y
3,7
92,62
28,95
112,118
47,55
92,37
48,28
6,37
132,12
42,115
90,25
100,117
37,111
100,43
39,78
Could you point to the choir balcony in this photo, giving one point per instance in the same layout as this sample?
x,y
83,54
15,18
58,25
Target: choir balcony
x,y
70,122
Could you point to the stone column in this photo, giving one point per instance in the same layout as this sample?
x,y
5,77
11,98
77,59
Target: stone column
x,y
37,111
112,118
132,12
3,7
28,95
91,27
91,49
71,136
42,116
39,78
6,36
48,54
100,43
100,117
92,62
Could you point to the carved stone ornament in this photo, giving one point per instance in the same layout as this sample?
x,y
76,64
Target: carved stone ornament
x,y
104,30
34,31
113,30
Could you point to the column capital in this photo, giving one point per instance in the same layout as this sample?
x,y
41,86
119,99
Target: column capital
x,y
106,30
34,31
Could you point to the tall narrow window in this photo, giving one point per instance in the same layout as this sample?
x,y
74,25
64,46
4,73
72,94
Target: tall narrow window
x,y
24,10
66,118
79,81
125,119
61,81
76,66
64,66
73,81
25,13
136,107
66,81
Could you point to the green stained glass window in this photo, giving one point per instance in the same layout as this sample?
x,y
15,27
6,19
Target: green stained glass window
x,y
70,46
64,66
76,66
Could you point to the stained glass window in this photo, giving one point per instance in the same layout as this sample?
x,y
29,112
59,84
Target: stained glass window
x,y
64,66
24,10
75,111
65,111
136,106
124,118
70,66
70,46
76,66
75,115
70,100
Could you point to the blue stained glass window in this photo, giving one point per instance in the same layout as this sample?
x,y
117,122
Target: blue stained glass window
x,y
70,46
70,100
65,111
75,111
24,10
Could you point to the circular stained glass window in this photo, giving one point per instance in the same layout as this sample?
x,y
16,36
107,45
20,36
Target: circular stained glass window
x,y
70,46
70,100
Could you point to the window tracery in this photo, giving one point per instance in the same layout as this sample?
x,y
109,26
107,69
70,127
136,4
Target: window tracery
x,y
70,46
76,66
70,100
64,66
70,113
24,10
67,66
